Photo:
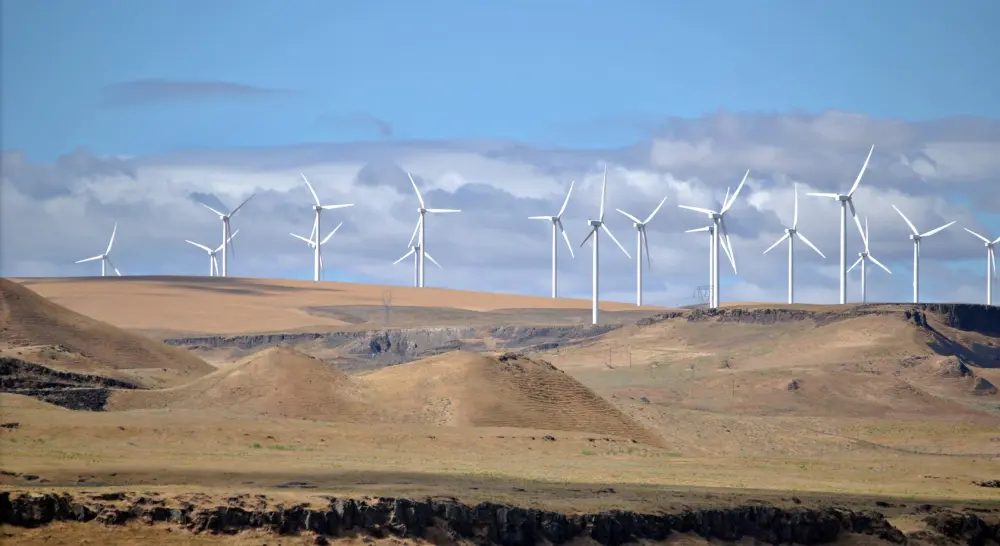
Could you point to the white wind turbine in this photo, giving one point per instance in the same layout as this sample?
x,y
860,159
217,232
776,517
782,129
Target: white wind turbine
x,y
318,208
557,224
213,262
864,257
916,236
312,244
105,259
790,234
641,241
846,200
226,233
421,241
414,251
991,261
712,256
719,223
595,225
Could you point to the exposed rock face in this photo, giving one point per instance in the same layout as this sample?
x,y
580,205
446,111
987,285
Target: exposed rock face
x,y
485,523
67,389
984,319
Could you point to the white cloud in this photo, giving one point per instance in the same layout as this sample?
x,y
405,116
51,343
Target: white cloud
x,y
54,214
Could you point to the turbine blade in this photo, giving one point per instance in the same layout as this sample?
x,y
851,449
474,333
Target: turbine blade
x,y
115,269
728,246
566,201
776,243
808,242
795,215
405,256
315,226
331,207
657,209
865,235
112,241
433,261
419,197
878,263
549,218
908,222
860,174
566,237
612,235
301,238
855,264
604,191
98,257
854,214
243,203
443,210
415,230
993,260
729,204
311,190
985,240
995,241
697,209
235,233
211,209
203,247
706,228
833,195
327,238
935,230
589,235
645,243
629,216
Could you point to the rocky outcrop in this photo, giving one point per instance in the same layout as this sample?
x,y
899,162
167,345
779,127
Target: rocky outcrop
x,y
485,523
984,319
71,390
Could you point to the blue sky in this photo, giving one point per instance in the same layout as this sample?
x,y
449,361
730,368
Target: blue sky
x,y
679,97
559,72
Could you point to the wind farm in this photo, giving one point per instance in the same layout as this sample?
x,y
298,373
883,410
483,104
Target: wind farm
x,y
333,381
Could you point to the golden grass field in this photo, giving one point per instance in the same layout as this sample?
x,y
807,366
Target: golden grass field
x,y
676,413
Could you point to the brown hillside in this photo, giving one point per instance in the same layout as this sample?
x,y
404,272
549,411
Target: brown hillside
x,y
470,389
75,342
276,381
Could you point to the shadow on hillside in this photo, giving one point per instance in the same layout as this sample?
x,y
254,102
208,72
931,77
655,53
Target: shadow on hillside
x,y
981,356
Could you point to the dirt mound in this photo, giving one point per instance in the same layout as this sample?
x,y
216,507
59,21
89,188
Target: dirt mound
x,y
78,343
276,381
953,368
471,389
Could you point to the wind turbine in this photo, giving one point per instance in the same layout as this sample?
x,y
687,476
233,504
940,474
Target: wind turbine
x,y
226,234
557,224
422,242
641,241
846,200
863,257
213,262
712,255
916,236
991,261
105,259
318,208
312,244
414,251
718,220
595,225
790,234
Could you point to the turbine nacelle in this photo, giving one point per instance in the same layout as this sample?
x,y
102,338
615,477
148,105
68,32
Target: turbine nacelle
x,y
595,223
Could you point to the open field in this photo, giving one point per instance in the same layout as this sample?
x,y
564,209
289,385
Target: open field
x,y
856,406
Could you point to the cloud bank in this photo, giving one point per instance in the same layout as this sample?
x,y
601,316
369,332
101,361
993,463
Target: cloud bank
x,y
52,214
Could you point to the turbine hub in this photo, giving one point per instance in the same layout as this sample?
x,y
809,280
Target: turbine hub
x,y
596,223
844,198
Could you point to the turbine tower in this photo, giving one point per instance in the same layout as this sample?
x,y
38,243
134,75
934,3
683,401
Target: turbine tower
x,y
991,262
640,242
105,258
790,234
713,254
311,241
213,262
318,208
864,257
557,224
916,236
718,220
421,241
226,234
595,225
415,252
846,200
